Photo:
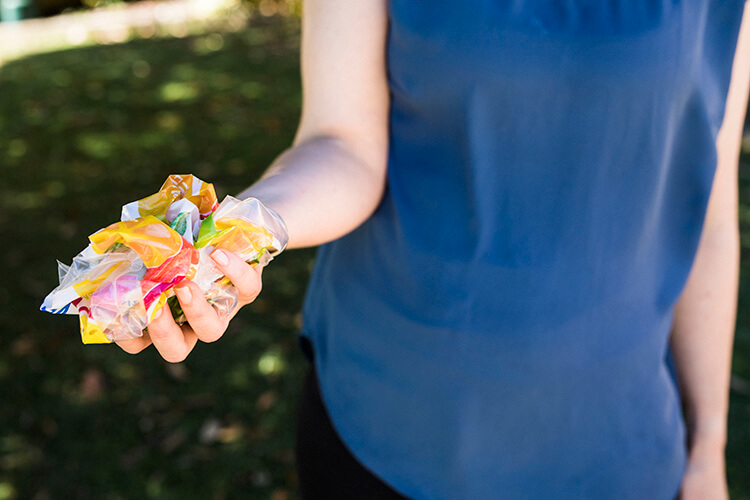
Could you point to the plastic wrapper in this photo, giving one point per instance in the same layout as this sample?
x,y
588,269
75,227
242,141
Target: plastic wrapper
x,y
128,272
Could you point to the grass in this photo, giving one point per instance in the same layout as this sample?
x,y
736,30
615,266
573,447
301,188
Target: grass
x,y
85,130
81,133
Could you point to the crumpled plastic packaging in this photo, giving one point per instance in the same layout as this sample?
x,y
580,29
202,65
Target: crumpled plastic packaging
x,y
124,277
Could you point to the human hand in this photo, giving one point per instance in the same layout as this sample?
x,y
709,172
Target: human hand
x,y
705,476
174,342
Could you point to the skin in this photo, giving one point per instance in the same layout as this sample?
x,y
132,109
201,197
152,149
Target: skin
x,y
703,328
333,177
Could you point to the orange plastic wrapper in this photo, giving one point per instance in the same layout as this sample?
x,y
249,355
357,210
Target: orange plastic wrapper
x,y
175,188
120,281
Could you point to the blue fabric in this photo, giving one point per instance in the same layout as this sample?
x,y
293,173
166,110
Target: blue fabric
x,y
499,328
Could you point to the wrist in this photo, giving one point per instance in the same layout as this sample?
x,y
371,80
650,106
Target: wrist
x,y
707,438
707,430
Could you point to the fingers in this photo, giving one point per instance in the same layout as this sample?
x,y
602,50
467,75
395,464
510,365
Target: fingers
x,y
244,277
172,342
202,317
134,346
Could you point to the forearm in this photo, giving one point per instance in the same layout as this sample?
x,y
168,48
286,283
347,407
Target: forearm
x,y
705,313
703,332
322,188
333,178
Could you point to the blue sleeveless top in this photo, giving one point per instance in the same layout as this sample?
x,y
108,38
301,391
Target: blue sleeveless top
x,y
499,327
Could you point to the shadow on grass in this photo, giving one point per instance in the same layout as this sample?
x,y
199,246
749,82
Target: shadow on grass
x,y
82,132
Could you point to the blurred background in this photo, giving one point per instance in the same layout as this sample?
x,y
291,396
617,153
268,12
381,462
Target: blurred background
x,y
100,100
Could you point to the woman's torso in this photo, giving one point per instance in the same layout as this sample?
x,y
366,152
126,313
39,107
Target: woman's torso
x,y
501,323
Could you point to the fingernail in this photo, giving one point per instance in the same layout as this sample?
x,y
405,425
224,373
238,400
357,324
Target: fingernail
x,y
220,257
184,294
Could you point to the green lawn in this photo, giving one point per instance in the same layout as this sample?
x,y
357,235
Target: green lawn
x,y
86,130
82,132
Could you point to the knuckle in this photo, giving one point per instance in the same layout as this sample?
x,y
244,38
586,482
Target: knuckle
x,y
212,335
208,331
205,324
132,348
250,284
159,334
175,358
201,323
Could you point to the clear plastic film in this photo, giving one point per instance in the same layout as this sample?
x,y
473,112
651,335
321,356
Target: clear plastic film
x,y
245,227
130,268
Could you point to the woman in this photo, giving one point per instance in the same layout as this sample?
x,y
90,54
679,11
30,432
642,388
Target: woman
x,y
528,203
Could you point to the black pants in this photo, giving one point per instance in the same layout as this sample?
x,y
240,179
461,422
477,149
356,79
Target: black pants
x,y
326,469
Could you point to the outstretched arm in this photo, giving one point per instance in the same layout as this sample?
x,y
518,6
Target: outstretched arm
x,y
333,177
704,319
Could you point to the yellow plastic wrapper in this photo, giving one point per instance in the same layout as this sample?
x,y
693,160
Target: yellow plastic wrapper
x,y
120,281
151,239
175,188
